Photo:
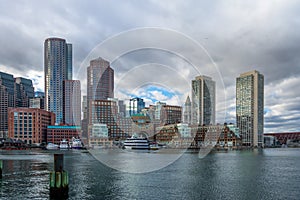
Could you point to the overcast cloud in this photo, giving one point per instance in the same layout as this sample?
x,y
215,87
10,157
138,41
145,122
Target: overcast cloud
x,y
238,35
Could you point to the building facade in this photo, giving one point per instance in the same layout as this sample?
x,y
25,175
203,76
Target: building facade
x,y
29,124
250,108
57,68
100,80
136,105
24,91
72,102
106,112
203,100
187,113
55,134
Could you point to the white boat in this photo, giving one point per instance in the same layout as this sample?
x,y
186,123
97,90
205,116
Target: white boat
x,y
76,143
51,146
64,144
136,143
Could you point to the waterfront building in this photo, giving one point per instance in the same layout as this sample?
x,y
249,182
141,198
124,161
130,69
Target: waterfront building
x,y
187,114
106,112
24,91
283,138
14,92
72,102
57,68
217,136
203,100
250,108
7,99
136,105
29,124
55,134
99,136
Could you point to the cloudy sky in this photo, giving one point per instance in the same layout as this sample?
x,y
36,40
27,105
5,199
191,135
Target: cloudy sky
x,y
221,39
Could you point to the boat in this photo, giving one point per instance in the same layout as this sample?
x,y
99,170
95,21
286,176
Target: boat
x,y
139,143
76,143
51,146
64,144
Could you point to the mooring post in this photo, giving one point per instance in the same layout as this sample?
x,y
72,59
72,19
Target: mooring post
x,y
59,179
1,166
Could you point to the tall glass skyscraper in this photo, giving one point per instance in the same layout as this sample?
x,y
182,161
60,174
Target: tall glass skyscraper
x,y
203,100
250,108
57,67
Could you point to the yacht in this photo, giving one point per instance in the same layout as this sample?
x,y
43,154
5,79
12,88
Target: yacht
x,y
51,146
76,143
64,144
136,143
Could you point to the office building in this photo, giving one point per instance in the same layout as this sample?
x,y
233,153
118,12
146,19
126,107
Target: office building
x,y
250,108
203,100
57,68
24,91
72,102
136,105
100,80
55,134
29,124
106,112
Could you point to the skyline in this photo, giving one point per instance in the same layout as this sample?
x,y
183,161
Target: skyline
x,y
234,34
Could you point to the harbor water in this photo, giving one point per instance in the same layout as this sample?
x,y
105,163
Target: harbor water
x,y
250,174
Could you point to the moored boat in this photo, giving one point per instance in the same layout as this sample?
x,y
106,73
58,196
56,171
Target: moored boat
x,y
51,146
64,144
138,143
76,143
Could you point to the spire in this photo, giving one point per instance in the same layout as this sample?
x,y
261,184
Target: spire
x,y
188,100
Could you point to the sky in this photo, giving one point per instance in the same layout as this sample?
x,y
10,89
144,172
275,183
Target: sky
x,y
221,39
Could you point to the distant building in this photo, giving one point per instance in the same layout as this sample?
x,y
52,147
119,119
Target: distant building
x,y
106,112
216,136
24,91
29,124
99,136
14,92
55,134
57,68
203,100
165,114
37,102
72,102
136,105
250,108
187,114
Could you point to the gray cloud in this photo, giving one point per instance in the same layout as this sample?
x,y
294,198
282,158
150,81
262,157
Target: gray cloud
x,y
239,36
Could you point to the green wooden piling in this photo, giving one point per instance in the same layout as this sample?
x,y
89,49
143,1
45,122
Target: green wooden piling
x,y
59,179
1,166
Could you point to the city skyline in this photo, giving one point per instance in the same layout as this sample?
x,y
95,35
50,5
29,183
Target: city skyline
x,y
235,49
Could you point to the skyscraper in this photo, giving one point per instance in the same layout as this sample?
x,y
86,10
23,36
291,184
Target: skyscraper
x,y
100,85
72,102
203,100
100,78
24,91
250,108
58,67
136,105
